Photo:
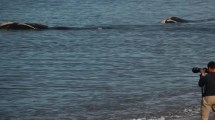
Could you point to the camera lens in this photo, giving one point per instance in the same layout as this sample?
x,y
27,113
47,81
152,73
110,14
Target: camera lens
x,y
196,70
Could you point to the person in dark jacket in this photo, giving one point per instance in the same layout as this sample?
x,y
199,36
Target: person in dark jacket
x,y
207,82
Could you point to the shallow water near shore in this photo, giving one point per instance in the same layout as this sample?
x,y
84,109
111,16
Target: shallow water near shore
x,y
118,63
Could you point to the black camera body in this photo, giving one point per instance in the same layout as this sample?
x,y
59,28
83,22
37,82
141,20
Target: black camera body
x,y
197,70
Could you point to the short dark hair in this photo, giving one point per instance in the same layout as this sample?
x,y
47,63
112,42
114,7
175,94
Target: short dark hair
x,y
211,64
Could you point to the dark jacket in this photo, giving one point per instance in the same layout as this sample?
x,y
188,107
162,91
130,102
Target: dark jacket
x,y
208,84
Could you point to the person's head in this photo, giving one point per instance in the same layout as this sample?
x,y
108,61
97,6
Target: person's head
x,y
211,66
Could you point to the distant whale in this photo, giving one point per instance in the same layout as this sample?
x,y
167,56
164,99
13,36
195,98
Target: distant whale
x,y
180,20
22,26
174,20
28,26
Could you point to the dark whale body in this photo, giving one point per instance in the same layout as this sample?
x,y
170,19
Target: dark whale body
x,y
180,20
28,26
22,26
174,20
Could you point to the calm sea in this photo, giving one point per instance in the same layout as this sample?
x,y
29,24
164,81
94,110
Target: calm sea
x,y
118,63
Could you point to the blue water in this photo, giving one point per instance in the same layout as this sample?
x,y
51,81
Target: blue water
x,y
118,63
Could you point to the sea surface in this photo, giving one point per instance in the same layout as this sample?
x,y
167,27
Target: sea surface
x,y
116,63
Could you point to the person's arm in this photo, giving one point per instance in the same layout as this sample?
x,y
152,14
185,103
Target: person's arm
x,y
201,81
202,78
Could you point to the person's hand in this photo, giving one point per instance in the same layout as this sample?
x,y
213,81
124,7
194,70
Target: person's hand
x,y
203,72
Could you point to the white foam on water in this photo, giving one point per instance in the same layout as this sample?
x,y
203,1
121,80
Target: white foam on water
x,y
189,113
161,118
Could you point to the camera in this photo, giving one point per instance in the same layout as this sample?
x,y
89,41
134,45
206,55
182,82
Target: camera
x,y
197,70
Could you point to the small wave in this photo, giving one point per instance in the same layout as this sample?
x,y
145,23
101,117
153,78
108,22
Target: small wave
x,y
188,113
103,27
161,118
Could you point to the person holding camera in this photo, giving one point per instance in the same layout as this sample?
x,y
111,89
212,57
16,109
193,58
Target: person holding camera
x,y
207,82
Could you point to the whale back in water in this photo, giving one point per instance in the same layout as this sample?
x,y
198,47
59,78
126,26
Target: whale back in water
x,y
29,26
174,20
22,26
38,26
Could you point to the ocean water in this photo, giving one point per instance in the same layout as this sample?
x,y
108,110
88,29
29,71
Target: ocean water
x,y
118,63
